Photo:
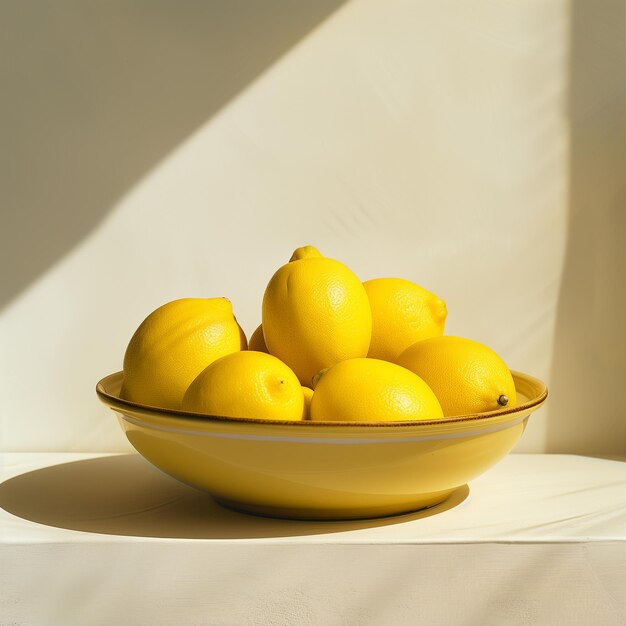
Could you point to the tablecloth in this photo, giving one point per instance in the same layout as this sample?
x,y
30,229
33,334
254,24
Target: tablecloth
x,y
108,539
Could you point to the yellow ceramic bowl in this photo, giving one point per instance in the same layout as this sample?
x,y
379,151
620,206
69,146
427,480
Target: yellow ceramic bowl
x,y
323,470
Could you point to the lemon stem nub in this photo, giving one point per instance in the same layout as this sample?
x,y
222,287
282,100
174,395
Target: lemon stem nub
x,y
305,252
503,400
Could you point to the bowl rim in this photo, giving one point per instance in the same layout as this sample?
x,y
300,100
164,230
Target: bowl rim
x,y
117,403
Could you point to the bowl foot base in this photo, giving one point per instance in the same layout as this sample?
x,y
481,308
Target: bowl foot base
x,y
354,513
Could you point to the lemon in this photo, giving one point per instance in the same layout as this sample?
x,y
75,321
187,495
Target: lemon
x,y
174,344
371,390
315,314
466,376
402,313
247,384
307,392
257,341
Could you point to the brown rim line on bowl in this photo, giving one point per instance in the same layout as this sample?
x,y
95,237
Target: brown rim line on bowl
x,y
524,382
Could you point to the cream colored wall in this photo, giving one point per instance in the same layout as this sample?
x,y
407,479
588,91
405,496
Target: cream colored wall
x,y
476,148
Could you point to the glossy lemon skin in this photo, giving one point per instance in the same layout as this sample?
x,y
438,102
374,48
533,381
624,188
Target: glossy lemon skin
x,y
368,390
246,384
466,376
402,314
174,344
315,313
316,470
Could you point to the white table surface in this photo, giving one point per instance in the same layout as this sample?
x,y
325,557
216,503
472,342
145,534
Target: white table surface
x,y
108,539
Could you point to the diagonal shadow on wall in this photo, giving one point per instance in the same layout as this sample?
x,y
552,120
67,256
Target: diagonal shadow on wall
x,y
96,93
588,400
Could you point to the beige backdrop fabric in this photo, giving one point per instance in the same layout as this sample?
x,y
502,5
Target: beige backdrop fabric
x,y
157,152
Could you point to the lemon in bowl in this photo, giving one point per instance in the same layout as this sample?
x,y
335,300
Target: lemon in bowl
x,y
366,390
174,344
402,314
246,383
315,313
465,375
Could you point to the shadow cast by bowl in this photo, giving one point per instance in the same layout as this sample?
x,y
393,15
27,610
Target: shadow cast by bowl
x,y
125,495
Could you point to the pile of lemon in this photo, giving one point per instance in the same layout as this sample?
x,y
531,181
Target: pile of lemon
x,y
330,348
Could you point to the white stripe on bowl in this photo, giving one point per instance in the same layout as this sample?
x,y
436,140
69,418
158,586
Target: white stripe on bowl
x,y
334,441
